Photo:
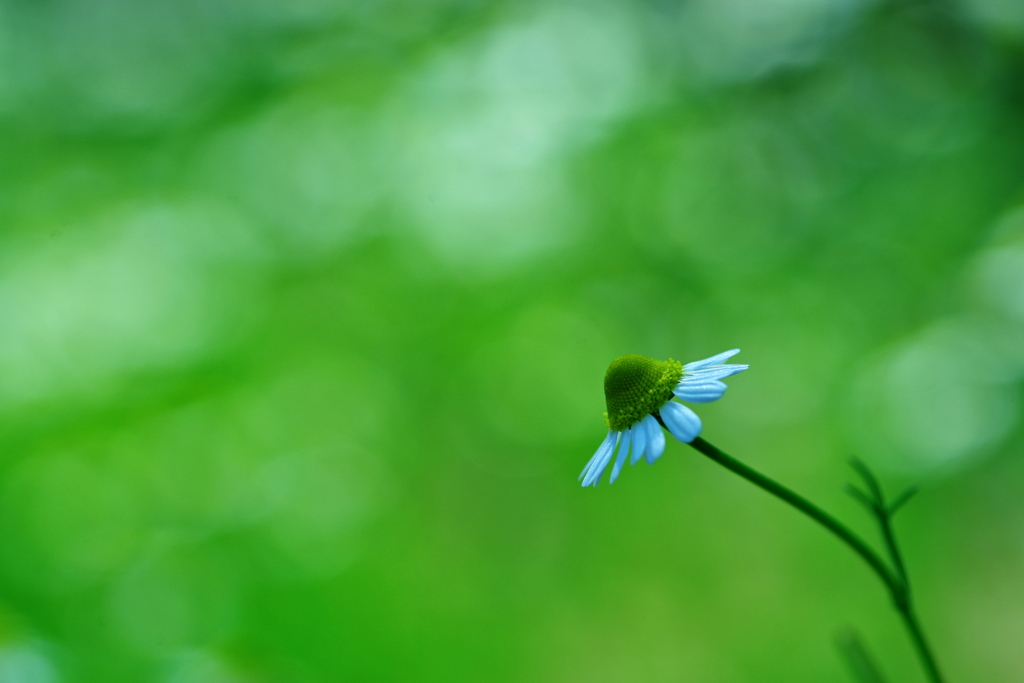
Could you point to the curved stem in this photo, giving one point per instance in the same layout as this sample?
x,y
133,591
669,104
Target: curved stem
x,y
896,583
807,507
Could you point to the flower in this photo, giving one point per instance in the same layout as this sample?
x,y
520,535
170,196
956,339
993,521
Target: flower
x,y
638,391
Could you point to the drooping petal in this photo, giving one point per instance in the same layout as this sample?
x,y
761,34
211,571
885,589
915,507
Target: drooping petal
x,y
699,390
714,360
655,439
599,461
715,372
681,421
594,475
639,441
597,453
623,451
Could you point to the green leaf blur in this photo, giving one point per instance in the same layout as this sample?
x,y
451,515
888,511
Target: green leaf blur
x,y
305,309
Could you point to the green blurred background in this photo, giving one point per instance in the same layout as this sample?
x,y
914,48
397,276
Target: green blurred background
x,y
305,308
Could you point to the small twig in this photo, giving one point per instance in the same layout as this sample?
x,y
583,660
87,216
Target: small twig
x,y
902,499
882,512
861,497
857,657
869,478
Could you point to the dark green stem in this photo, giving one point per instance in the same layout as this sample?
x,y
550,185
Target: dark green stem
x,y
805,506
920,644
894,552
883,513
896,583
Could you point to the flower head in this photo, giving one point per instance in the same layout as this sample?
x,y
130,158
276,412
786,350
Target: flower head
x,y
638,392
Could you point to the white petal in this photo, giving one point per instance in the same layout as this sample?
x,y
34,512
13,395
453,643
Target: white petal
x,y
595,468
623,451
715,372
639,441
714,360
655,439
681,421
699,391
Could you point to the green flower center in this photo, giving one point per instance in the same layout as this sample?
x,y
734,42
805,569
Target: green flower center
x,y
636,386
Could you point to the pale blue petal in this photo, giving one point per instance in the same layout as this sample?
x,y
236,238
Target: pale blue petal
x,y
623,451
715,372
681,421
714,360
655,439
639,441
597,454
595,468
699,391
599,467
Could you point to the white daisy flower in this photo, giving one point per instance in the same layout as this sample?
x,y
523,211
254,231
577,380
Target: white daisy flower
x,y
638,391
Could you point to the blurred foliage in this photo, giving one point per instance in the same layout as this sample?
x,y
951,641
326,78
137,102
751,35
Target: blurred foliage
x,y
305,309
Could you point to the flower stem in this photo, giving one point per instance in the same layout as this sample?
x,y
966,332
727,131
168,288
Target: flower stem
x,y
804,505
896,583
